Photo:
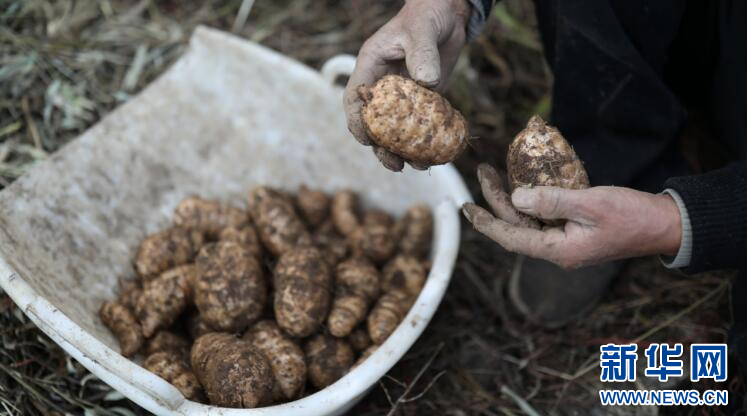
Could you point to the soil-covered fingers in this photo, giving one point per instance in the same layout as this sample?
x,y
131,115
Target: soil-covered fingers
x,y
376,58
528,241
389,159
499,200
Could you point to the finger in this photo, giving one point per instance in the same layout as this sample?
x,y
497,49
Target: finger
x,y
548,202
499,200
531,242
372,63
422,57
419,166
450,52
389,159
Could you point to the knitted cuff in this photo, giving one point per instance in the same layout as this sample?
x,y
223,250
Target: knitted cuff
x,y
684,254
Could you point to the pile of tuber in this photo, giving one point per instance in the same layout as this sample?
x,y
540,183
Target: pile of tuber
x,y
340,278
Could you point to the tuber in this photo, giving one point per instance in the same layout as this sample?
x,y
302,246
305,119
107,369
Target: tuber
x,y
285,356
302,281
230,286
328,358
279,227
174,369
416,231
313,205
123,324
208,216
413,122
356,287
540,156
129,292
345,212
167,249
359,339
164,298
231,371
246,236
405,273
333,246
377,237
386,315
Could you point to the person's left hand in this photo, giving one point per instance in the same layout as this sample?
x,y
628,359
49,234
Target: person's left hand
x,y
601,223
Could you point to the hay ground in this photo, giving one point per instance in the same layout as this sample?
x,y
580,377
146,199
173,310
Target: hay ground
x,y
64,64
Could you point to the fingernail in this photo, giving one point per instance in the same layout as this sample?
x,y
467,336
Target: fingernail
x,y
524,198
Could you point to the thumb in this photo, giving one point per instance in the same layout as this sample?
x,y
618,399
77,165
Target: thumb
x,y
422,57
546,202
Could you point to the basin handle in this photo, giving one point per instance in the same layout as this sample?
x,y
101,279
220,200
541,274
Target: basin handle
x,y
337,65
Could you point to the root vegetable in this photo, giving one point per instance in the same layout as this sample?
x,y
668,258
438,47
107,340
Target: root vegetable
x,y
313,205
129,292
123,324
356,286
345,212
208,216
246,236
328,358
333,246
302,281
174,369
359,339
230,286
167,249
377,239
404,273
285,356
389,311
417,231
169,342
163,299
279,227
232,372
540,156
412,121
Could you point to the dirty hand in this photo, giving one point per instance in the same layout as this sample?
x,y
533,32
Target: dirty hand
x,y
423,41
602,223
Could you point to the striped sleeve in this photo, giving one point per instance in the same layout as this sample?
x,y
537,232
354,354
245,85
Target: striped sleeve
x,y
480,13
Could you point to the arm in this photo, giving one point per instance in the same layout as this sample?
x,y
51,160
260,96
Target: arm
x,y
708,213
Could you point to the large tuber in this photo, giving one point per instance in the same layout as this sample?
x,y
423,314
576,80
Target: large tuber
x,y
540,156
412,121
303,283
230,286
232,372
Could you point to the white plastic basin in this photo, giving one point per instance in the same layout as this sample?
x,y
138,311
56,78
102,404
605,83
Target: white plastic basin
x,y
227,116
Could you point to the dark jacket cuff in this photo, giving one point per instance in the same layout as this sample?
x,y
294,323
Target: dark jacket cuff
x,y
717,205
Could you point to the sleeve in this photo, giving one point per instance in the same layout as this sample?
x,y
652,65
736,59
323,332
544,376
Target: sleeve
x,y
684,254
716,206
480,13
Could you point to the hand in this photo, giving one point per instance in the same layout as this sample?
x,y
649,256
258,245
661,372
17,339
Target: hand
x,y
423,41
602,223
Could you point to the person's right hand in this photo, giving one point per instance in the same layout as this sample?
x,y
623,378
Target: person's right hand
x,y
422,41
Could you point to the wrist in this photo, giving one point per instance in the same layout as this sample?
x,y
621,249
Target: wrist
x,y
670,237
